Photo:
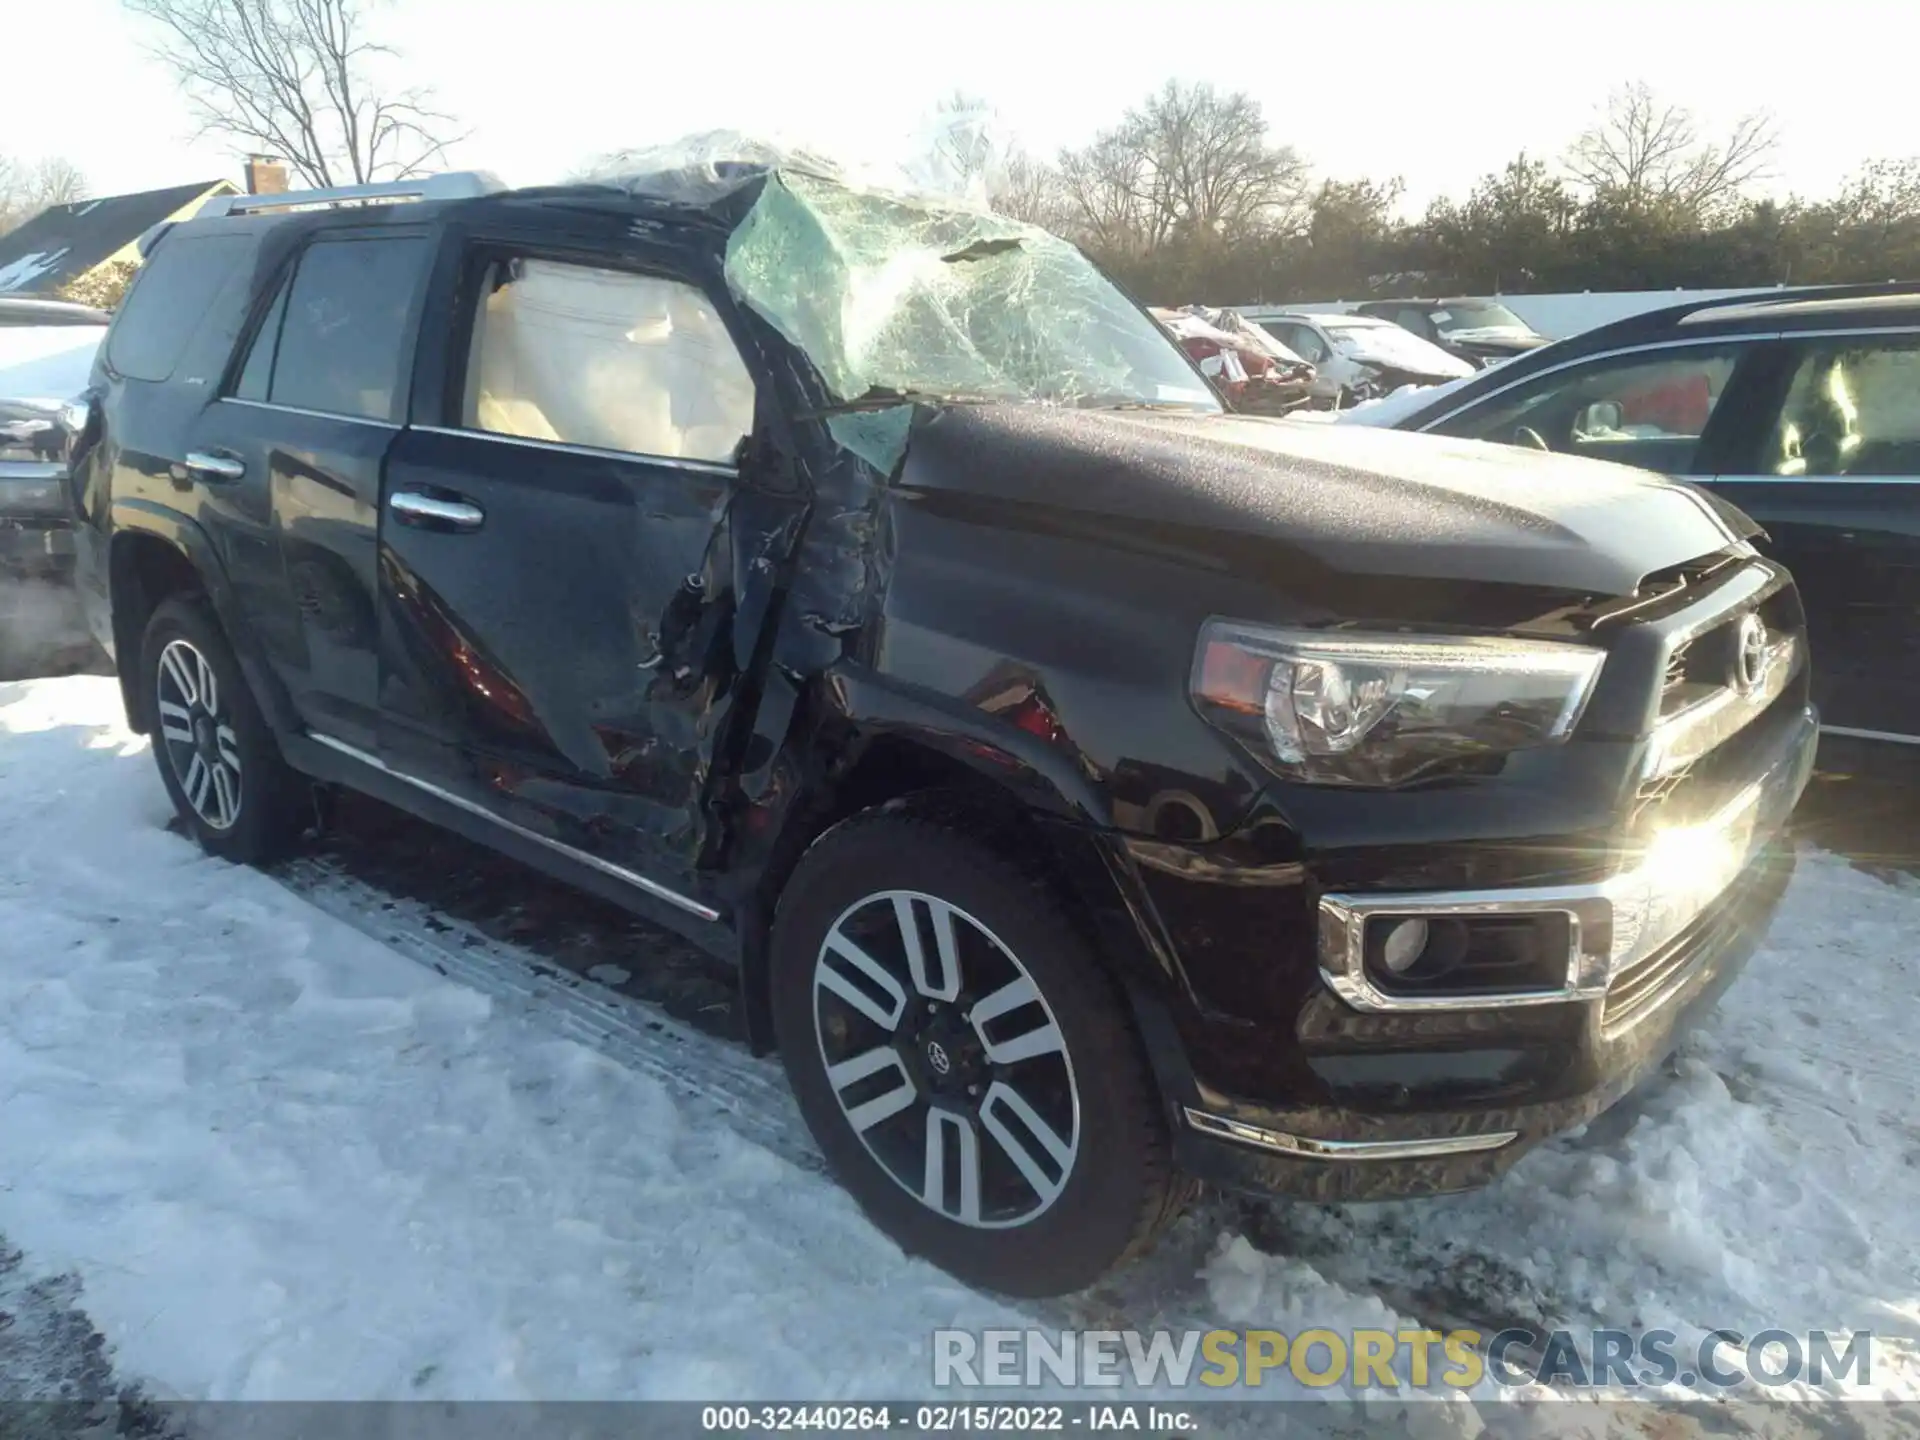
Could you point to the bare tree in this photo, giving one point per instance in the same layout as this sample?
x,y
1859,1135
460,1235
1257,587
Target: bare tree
x,y
1646,154
1029,189
1189,163
299,79
1109,187
26,190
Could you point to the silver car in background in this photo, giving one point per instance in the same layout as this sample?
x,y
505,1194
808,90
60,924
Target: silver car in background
x,y
46,353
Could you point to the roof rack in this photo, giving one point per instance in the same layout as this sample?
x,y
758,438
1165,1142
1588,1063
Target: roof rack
x,y
1762,299
453,185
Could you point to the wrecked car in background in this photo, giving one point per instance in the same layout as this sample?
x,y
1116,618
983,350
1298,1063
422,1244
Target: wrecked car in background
x,y
1094,789
1254,373
1481,332
1358,357
46,351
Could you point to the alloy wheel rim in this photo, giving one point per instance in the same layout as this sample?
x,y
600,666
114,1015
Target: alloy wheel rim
x,y
946,1059
197,735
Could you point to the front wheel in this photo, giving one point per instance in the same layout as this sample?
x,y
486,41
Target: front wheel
x,y
962,1060
219,761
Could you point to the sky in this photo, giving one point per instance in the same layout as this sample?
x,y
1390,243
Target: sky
x,y
1437,93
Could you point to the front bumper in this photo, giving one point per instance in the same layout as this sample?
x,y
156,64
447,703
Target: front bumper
x,y
41,552
1427,1098
36,533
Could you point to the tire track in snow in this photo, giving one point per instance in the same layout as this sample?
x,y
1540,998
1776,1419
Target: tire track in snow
x,y
56,1371
719,1080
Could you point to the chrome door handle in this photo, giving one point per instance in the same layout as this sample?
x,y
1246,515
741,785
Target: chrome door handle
x,y
208,466
417,509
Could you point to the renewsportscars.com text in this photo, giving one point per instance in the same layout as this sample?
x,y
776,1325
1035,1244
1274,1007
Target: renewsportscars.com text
x,y
1400,1359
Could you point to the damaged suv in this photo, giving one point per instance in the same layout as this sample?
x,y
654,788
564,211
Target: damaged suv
x,y
1096,791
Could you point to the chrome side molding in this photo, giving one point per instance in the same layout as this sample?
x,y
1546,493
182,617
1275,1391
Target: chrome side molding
x,y
582,857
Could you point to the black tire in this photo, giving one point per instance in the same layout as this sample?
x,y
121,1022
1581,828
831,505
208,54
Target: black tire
x,y
270,809
1119,1190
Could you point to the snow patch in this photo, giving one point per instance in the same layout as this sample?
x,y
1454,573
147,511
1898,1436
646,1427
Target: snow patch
x,y
18,274
287,1160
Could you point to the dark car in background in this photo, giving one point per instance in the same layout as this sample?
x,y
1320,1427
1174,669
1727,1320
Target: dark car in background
x,y
1802,408
1481,331
46,352
1092,789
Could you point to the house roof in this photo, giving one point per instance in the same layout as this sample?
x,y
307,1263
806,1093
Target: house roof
x,y
65,242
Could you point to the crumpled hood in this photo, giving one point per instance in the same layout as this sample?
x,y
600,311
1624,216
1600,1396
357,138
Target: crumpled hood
x,y
1355,499
1497,337
1397,349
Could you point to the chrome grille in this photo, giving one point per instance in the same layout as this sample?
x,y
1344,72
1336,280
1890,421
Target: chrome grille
x,y
1719,727
1724,676
1707,663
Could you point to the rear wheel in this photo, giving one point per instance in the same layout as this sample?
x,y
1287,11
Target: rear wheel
x,y
218,759
964,1063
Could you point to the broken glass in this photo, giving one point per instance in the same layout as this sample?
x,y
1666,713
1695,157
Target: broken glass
x,y
891,295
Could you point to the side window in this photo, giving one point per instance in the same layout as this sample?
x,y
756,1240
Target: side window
x,y
606,359
257,375
1302,341
174,292
1851,409
1646,409
343,340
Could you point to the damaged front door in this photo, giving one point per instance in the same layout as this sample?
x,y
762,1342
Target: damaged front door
x,y
557,572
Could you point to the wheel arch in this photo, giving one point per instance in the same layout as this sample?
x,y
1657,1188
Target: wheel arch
x,y
155,554
870,744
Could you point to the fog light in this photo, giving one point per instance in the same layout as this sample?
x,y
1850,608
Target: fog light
x,y
1403,946
1446,953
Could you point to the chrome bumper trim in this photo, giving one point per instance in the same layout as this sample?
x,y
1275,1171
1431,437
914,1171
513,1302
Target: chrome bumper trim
x,y
1302,1147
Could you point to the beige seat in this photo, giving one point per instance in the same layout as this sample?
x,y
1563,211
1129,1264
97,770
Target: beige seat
x,y
611,360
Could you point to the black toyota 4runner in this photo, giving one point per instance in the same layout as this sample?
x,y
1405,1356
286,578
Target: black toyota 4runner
x,y
1094,790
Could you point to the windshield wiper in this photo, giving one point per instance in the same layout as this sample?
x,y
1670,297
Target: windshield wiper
x,y
1191,407
885,397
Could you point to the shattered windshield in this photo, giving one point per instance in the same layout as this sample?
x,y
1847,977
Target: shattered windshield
x,y
902,299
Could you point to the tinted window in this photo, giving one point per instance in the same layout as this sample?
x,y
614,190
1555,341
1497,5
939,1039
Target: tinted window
x,y
343,340
173,295
1647,409
257,376
607,359
1851,409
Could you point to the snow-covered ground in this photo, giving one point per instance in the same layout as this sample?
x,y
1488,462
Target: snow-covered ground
x,y
292,1139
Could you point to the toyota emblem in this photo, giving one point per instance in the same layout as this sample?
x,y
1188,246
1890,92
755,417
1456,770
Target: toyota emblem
x,y
937,1058
1751,655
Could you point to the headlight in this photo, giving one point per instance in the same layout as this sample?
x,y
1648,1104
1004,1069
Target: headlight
x,y
1338,708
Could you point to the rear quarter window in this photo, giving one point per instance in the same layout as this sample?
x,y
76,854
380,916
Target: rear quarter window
x,y
345,337
174,295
